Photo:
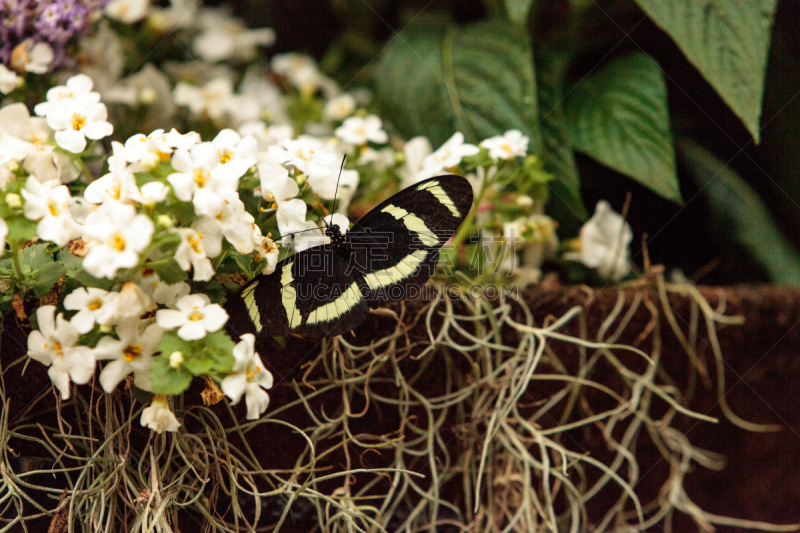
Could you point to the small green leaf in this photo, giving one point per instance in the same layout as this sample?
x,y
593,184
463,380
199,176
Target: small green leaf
x,y
739,215
518,10
476,79
728,41
619,117
77,276
167,380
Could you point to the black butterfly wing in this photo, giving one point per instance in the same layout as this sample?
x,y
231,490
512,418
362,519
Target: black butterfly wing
x,y
312,293
395,247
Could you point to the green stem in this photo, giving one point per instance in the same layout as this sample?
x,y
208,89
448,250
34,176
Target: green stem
x,y
15,260
84,168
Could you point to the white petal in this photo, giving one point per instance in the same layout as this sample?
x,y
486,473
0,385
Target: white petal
x,y
234,386
169,318
113,373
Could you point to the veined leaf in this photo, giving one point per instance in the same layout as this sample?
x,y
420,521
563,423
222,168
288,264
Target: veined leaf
x,y
477,79
740,214
728,41
565,203
619,117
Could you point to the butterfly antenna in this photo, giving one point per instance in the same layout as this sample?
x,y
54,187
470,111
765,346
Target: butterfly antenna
x,y
336,192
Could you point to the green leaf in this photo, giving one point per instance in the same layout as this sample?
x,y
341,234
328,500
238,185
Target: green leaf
x,y
167,380
77,276
518,10
565,203
20,229
171,272
476,79
738,213
619,117
46,278
727,40
36,256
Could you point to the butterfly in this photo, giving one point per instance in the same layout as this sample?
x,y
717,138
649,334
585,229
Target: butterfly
x,y
327,290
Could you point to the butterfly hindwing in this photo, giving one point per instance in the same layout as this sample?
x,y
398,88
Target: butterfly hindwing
x,y
308,293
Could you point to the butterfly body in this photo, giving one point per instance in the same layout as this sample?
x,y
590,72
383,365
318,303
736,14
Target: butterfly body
x,y
327,290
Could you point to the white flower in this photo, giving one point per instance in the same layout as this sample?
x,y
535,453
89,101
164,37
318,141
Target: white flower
x,y
276,185
74,122
151,193
267,249
115,236
291,216
225,38
132,352
415,151
161,292
130,303
26,137
201,178
265,136
357,131
213,100
32,57
604,241
507,146
127,11
119,185
248,377
53,345
158,416
4,233
326,187
235,224
300,69
340,107
148,150
236,154
196,248
49,204
310,156
78,89
195,316
449,155
90,302
380,159
8,80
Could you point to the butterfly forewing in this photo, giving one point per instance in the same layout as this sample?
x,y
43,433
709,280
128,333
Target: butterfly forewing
x,y
396,245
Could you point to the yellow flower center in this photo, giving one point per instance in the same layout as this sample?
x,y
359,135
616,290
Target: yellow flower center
x,y
117,242
78,122
132,351
196,316
506,147
200,177
53,207
57,348
305,157
162,156
95,304
224,157
195,243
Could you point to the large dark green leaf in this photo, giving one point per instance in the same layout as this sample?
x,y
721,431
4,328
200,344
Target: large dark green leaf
x,y
738,214
727,40
619,117
565,203
477,79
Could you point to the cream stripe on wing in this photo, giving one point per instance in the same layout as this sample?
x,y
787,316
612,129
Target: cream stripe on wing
x,y
331,311
289,297
252,309
413,223
436,189
399,272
